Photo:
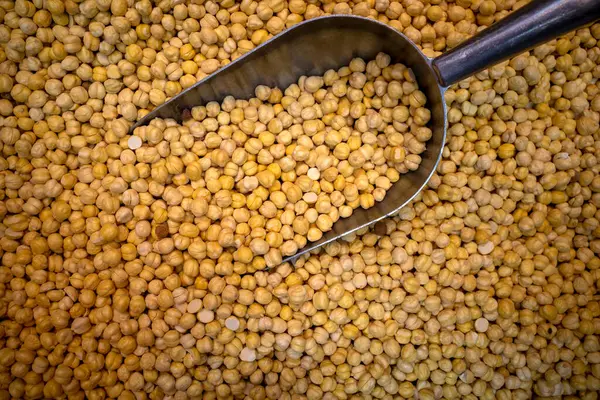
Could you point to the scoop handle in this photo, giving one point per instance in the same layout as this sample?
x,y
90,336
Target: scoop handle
x,y
537,22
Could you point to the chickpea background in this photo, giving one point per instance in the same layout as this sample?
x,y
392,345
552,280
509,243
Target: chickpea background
x,y
117,282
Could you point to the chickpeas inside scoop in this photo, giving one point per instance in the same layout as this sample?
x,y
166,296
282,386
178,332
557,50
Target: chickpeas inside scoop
x,y
284,166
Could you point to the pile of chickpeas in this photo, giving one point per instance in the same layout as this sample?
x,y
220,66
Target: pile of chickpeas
x,y
485,286
260,177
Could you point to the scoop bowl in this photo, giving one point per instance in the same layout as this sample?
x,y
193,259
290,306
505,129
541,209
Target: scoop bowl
x,y
311,48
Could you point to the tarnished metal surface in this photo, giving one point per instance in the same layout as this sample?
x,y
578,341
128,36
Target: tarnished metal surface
x,y
314,46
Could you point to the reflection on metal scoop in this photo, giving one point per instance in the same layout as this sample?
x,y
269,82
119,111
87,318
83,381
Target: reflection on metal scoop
x,y
315,46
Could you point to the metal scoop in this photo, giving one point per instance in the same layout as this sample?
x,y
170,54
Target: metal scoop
x,y
314,46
